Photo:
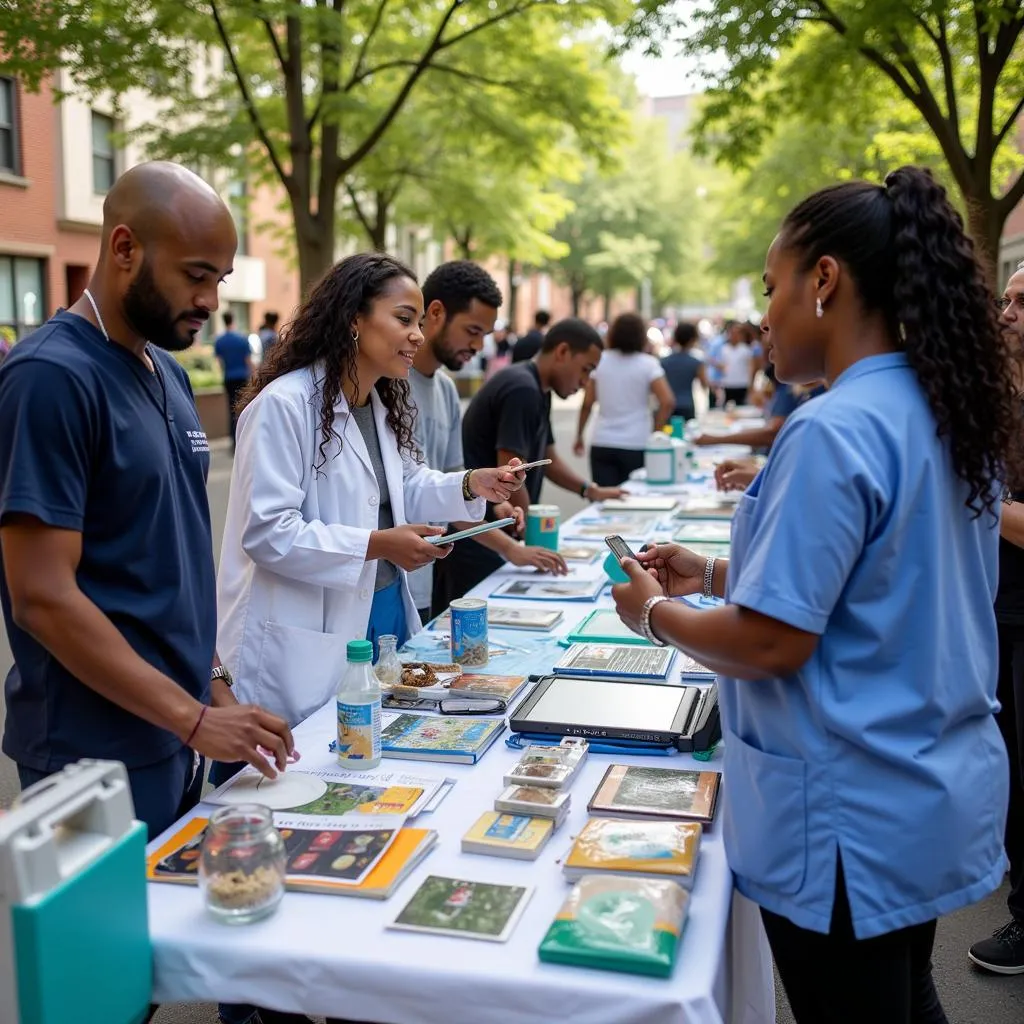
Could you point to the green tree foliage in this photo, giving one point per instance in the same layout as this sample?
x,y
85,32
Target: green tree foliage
x,y
635,219
288,84
958,65
476,156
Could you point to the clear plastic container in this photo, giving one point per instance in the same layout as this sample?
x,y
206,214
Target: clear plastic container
x,y
242,864
359,710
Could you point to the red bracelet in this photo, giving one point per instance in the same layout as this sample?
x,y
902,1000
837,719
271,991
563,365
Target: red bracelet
x,y
195,728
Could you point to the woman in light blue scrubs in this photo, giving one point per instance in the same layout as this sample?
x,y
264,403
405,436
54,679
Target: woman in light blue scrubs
x,y
866,779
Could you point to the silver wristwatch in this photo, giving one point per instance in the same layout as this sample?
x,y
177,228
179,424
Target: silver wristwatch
x,y
221,672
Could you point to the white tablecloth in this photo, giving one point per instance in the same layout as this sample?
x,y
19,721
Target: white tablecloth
x,y
332,955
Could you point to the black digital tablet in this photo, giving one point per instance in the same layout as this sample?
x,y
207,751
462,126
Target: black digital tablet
x,y
685,717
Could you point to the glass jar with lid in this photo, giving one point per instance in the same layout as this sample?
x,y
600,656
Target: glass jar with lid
x,y
242,864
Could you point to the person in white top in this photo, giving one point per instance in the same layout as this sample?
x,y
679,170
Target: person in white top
x,y
326,480
621,387
736,361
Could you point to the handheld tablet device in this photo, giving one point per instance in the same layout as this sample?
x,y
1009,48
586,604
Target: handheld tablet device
x,y
473,531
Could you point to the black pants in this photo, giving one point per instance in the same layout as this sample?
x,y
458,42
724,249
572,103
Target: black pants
x,y
837,978
611,466
737,395
233,388
713,396
1010,691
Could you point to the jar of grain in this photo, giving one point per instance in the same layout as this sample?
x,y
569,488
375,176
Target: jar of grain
x,y
242,864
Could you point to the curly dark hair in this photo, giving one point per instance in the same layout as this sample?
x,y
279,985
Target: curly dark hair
x,y
457,283
322,333
628,333
905,247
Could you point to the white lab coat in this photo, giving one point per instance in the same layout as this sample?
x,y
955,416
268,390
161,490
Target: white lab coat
x,y
294,585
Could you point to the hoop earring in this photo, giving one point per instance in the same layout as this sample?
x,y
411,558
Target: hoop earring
x,y
819,310
355,334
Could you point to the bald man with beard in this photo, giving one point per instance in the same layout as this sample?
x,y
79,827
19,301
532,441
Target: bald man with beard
x,y
106,562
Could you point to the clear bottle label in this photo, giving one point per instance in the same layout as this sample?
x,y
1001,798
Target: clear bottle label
x,y
359,731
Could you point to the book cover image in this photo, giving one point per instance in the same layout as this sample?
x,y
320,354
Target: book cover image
x,y
551,590
617,660
463,909
657,792
619,924
329,793
580,553
505,617
533,795
505,687
340,853
178,861
638,847
708,531
437,733
605,626
709,549
333,855
508,834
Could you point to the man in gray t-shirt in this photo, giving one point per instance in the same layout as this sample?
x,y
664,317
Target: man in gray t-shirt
x,y
461,303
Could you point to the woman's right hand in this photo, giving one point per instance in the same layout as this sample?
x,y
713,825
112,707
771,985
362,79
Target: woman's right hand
x,y
679,570
405,546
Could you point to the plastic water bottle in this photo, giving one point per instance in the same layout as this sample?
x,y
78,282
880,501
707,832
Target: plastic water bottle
x,y
359,710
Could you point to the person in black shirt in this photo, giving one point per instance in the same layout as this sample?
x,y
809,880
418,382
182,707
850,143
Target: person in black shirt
x,y
532,341
511,416
1003,952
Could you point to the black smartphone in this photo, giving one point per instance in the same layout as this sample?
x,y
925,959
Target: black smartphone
x,y
620,549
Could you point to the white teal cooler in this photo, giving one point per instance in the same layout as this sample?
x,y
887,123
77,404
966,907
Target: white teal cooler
x,y
74,937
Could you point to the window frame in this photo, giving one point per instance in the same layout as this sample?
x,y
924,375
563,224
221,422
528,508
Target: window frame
x,y
14,127
112,121
19,327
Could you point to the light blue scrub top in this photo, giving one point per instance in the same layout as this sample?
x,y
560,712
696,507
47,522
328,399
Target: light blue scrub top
x,y
884,744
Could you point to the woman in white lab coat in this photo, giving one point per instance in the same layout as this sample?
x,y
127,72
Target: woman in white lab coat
x,y
326,479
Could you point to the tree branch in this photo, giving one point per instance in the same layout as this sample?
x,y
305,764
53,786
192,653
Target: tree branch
x,y
948,78
364,49
272,36
247,101
1008,124
374,136
914,86
354,199
1005,203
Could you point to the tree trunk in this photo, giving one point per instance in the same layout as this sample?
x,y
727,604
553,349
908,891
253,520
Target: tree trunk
x,y
607,304
985,226
577,298
315,245
513,293
379,229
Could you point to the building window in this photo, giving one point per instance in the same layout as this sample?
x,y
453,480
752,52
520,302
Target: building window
x,y
22,300
238,203
10,158
240,311
104,169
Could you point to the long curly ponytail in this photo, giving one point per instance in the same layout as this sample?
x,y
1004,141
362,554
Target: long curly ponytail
x,y
904,244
